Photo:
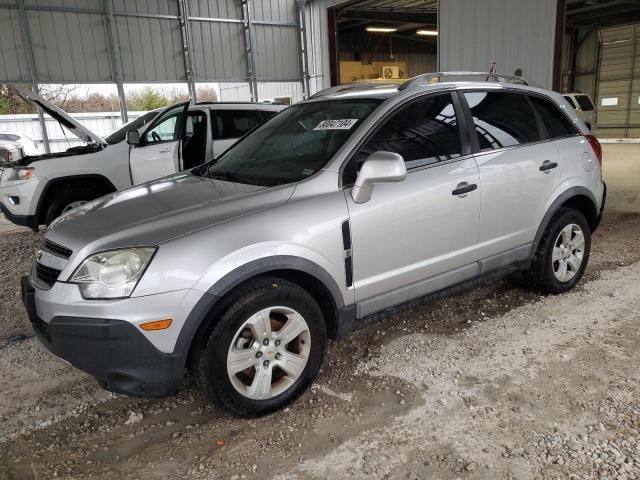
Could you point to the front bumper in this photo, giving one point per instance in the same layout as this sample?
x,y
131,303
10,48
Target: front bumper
x,y
30,221
114,352
24,213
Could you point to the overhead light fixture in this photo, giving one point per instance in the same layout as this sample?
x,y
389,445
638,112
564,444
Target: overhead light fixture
x,y
381,29
431,33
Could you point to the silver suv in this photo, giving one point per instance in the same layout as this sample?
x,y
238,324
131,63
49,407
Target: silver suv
x,y
336,211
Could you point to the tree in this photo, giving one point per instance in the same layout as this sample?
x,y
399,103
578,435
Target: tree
x,y
11,102
206,94
146,99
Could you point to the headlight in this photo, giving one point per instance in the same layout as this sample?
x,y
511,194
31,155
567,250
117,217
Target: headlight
x,y
20,173
112,274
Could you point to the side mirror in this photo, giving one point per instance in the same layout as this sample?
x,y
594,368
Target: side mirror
x,y
380,167
133,137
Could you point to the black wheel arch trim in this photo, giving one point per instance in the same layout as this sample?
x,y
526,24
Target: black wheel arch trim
x,y
557,203
344,314
71,178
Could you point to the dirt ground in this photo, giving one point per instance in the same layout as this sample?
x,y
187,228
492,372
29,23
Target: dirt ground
x,y
494,383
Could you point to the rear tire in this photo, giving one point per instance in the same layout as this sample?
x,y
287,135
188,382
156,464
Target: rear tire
x,y
563,253
66,199
247,364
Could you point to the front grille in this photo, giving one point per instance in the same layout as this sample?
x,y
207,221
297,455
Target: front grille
x,y
47,275
57,249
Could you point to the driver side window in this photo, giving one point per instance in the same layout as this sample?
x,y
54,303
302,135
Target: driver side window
x,y
165,129
424,132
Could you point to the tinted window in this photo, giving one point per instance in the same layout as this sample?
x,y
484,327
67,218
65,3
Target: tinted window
x,y
9,137
584,102
570,100
423,132
293,145
556,123
235,123
502,119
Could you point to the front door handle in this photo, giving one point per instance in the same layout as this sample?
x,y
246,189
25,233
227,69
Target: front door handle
x,y
464,188
547,166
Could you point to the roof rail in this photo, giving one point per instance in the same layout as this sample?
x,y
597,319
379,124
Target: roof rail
x,y
439,77
350,87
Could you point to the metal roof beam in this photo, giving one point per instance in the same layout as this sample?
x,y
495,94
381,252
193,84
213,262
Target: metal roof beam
x,y
388,16
28,47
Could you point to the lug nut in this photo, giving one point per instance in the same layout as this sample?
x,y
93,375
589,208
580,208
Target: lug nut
x,y
265,342
278,355
277,343
258,354
265,363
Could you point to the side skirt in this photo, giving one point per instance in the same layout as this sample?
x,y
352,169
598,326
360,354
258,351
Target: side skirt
x,y
445,292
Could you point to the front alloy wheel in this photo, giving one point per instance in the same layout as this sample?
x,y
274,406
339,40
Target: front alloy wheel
x,y
262,348
269,353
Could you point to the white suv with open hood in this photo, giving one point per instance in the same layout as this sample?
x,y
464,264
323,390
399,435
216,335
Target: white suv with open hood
x,y
36,189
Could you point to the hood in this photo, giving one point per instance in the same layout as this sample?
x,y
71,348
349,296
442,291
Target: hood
x,y
158,211
68,122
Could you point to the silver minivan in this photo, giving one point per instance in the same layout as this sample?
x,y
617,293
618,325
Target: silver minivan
x,y
338,210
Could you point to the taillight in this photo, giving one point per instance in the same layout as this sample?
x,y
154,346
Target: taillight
x,y
595,144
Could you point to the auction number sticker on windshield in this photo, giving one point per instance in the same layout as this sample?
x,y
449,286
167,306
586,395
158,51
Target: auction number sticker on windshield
x,y
338,124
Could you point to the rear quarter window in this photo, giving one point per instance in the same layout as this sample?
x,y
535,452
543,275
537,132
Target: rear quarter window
x,y
555,121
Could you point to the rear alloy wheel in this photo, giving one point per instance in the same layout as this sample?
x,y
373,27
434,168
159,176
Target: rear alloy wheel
x,y
568,252
263,349
563,252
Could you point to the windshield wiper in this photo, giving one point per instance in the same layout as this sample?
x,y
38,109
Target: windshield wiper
x,y
230,176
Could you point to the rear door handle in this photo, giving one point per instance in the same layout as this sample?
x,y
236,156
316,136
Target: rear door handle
x,y
464,188
547,166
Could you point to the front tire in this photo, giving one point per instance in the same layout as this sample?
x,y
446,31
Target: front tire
x,y
563,252
265,349
66,200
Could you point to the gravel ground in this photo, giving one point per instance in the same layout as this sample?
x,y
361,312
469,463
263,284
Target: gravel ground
x,y
497,382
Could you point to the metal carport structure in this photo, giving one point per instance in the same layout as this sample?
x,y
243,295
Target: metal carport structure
x,y
146,41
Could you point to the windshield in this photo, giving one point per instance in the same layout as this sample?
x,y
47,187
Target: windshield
x,y
293,145
119,135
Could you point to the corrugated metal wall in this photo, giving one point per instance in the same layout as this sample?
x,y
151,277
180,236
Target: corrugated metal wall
x,y
513,33
318,43
587,64
101,123
618,92
70,40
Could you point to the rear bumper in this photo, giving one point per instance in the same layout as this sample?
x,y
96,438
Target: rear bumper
x,y
30,221
601,212
114,352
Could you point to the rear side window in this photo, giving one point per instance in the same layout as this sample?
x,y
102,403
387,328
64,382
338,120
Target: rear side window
x,y
584,102
8,137
423,132
556,123
570,100
235,123
502,119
